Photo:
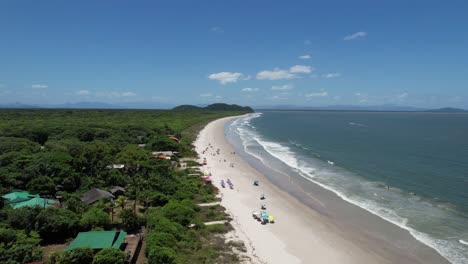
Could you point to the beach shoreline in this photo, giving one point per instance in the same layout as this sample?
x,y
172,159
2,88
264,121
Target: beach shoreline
x,y
305,230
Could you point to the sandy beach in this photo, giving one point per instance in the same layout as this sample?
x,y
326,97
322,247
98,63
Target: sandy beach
x,y
309,231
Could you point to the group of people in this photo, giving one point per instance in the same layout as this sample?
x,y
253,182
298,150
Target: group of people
x,y
261,216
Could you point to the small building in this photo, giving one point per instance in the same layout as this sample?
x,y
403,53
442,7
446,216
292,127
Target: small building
x,y
142,145
19,198
116,166
37,201
95,195
98,240
166,153
16,196
117,191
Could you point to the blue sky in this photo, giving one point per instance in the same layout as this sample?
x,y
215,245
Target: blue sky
x,y
258,52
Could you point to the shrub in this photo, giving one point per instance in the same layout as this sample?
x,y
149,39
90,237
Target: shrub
x,y
93,218
110,256
162,255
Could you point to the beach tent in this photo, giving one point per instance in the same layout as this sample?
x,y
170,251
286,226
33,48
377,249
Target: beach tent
x,y
207,180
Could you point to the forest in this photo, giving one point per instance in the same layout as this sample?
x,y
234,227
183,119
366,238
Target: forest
x,y
58,155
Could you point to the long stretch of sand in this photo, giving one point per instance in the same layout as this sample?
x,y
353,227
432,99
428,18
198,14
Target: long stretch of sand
x,y
300,234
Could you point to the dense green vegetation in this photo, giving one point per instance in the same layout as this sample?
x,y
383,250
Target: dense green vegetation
x,y
214,107
64,153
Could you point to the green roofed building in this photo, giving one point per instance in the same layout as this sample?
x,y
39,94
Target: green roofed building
x,y
19,198
36,201
98,240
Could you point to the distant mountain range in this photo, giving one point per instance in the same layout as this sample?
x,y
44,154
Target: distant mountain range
x,y
396,108
448,110
152,105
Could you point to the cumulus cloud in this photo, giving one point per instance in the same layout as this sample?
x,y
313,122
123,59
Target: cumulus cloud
x,y
356,35
282,87
321,93
275,74
218,30
300,69
39,86
83,92
249,90
226,77
330,75
305,57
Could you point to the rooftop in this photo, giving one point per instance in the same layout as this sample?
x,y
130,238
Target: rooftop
x,y
98,240
95,195
36,201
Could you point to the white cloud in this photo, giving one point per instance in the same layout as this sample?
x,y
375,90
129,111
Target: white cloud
x,y
206,95
330,75
277,97
218,97
218,30
127,94
226,77
356,35
301,69
321,93
282,87
249,90
113,94
305,57
402,96
275,74
39,86
362,97
83,92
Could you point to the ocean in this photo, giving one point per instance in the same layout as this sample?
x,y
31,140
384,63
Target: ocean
x,y
409,168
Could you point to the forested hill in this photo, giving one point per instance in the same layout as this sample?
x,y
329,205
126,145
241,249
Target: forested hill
x,y
215,107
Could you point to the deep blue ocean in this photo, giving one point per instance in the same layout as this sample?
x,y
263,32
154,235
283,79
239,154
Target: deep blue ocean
x,y
409,168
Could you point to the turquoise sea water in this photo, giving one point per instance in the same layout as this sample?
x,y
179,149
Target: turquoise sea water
x,y
409,168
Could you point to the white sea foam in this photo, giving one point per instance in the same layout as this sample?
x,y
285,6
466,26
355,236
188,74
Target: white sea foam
x,y
332,181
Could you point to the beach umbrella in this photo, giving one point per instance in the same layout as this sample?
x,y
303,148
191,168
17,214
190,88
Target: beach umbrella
x,y
206,172
271,218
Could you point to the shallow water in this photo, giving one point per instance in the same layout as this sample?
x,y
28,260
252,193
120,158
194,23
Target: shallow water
x,y
409,168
